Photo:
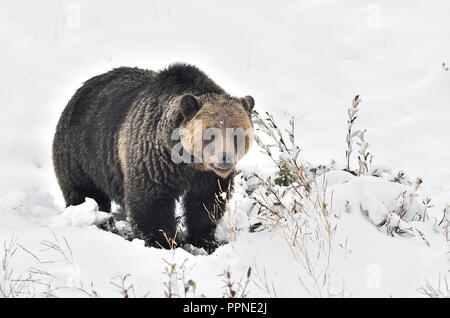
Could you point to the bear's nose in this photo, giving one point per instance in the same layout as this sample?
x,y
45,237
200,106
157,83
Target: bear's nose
x,y
225,161
227,157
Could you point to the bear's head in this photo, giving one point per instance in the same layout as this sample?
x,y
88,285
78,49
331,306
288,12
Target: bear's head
x,y
216,130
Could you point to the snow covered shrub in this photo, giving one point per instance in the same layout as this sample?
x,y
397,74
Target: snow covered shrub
x,y
301,215
284,154
295,207
285,176
303,204
364,157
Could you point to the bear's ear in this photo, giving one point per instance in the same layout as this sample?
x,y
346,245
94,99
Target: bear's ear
x,y
248,102
189,106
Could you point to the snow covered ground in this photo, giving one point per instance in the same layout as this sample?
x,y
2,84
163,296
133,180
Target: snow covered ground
x,y
305,59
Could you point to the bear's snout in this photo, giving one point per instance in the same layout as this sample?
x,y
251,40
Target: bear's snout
x,y
225,161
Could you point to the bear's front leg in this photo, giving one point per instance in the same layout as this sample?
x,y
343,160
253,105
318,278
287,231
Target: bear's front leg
x,y
203,209
153,215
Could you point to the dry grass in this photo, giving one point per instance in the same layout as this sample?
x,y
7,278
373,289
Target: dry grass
x,y
440,291
298,211
236,288
178,284
36,281
125,288
14,285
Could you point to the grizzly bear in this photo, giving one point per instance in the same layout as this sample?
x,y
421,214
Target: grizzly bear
x,y
117,141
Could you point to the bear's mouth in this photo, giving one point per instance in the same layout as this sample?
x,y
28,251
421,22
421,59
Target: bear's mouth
x,y
223,169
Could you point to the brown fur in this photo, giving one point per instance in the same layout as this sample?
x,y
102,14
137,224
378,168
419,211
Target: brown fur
x,y
113,142
220,112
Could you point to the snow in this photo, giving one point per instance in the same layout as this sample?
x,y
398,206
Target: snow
x,y
304,59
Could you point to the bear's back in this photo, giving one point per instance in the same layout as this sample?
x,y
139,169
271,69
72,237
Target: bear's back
x,y
107,95
180,78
